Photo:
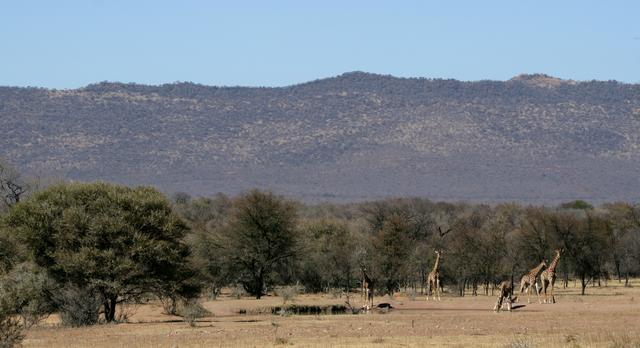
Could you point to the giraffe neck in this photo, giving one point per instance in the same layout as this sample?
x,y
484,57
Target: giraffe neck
x,y
437,264
366,278
554,263
534,272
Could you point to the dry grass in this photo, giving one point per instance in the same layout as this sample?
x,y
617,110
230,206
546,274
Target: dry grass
x,y
606,317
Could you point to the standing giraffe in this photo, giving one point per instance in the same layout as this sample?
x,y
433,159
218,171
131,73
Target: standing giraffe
x,y
548,276
367,288
434,278
506,293
530,280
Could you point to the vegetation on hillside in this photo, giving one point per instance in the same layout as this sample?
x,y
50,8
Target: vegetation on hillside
x,y
352,137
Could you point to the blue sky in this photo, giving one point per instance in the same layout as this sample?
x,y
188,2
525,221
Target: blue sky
x,y
69,44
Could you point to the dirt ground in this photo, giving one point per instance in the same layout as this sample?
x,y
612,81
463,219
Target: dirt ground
x,y
606,317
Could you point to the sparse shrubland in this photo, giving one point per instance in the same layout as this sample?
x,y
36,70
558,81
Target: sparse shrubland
x,y
82,249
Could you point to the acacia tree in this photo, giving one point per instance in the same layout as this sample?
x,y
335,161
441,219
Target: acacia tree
x,y
115,241
260,239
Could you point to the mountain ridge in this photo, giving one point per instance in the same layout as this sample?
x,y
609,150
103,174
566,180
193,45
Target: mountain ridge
x,y
523,77
533,138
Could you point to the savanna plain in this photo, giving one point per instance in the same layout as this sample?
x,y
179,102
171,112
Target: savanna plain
x,y
607,316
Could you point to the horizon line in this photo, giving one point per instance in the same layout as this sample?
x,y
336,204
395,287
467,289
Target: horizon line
x,y
520,76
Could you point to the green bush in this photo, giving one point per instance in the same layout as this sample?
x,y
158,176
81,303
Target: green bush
x,y
11,330
78,307
25,292
191,310
287,293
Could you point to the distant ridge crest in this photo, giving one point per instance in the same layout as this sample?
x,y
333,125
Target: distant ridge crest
x,y
541,80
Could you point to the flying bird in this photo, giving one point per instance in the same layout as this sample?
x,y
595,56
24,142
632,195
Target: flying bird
x,y
442,234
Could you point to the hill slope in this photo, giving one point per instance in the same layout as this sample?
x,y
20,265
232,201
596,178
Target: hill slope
x,y
357,136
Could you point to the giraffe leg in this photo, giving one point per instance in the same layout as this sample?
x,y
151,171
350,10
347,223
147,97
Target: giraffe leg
x,y
435,291
553,298
365,293
545,285
496,308
438,288
537,292
366,296
522,288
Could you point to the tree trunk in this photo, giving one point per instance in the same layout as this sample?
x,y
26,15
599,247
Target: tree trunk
x,y
172,305
617,263
583,283
110,308
626,279
259,285
348,285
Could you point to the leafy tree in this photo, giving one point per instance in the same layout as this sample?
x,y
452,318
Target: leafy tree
x,y
117,241
533,238
393,247
261,239
584,239
204,213
577,204
9,255
209,259
206,217
329,256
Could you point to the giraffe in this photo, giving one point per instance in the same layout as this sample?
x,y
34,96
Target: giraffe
x,y
548,276
434,278
506,293
367,288
531,279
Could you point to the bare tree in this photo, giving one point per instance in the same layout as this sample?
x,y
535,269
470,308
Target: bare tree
x,y
12,185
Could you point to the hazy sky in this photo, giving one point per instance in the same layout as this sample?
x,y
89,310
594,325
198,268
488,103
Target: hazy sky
x,y
68,44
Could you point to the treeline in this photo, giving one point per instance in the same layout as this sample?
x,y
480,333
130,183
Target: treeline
x,y
396,240
85,249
